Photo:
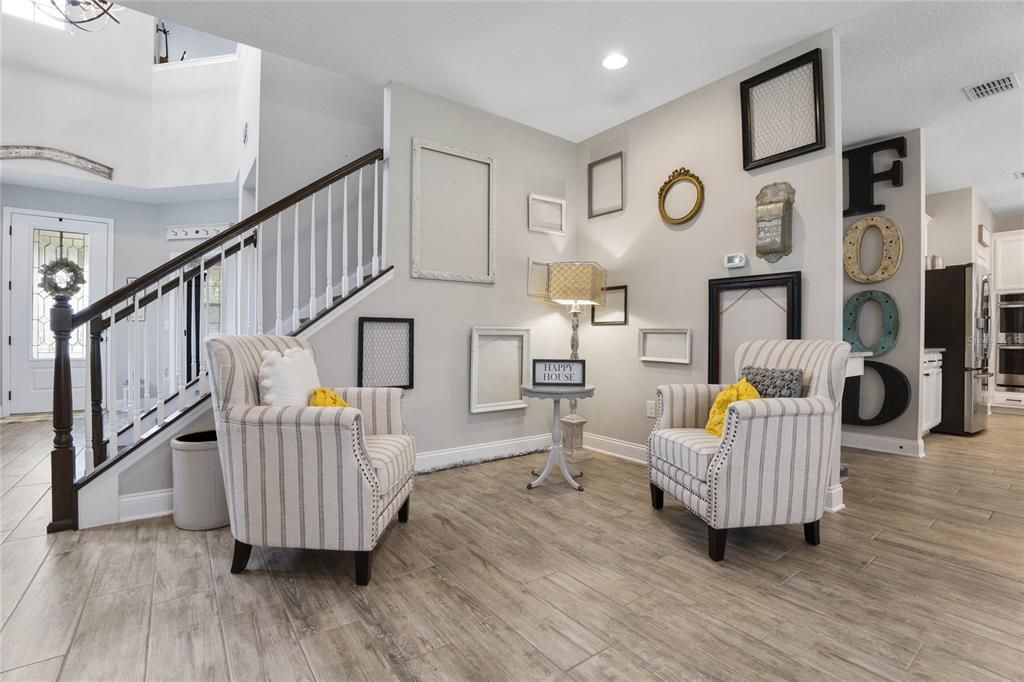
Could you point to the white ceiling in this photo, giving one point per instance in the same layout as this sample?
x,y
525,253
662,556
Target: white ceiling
x,y
539,63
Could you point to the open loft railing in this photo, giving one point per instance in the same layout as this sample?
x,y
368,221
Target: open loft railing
x,y
145,365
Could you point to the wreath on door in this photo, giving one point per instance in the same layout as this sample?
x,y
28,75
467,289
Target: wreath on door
x,y
62,277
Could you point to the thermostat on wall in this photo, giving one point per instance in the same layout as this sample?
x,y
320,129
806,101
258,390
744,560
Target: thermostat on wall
x,y
735,260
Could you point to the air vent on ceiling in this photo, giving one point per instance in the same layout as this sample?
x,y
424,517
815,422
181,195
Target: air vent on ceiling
x,y
992,87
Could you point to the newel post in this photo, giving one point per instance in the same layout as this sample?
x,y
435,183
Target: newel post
x,y
62,458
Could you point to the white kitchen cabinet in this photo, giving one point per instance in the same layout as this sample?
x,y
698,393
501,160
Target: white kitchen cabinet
x,y
1009,260
931,390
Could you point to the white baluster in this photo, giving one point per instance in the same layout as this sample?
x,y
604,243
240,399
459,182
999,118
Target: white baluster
x,y
87,417
312,256
160,379
295,271
375,262
329,294
278,324
133,370
359,233
112,385
182,339
239,293
344,239
204,321
384,217
144,333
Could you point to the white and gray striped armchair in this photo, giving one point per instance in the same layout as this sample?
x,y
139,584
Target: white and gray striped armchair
x,y
771,465
307,477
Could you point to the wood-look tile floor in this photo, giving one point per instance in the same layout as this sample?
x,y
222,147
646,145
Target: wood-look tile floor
x,y
920,577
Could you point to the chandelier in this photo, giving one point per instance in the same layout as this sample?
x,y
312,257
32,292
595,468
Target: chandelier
x,y
86,15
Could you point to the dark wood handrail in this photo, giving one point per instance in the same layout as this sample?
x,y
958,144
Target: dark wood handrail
x,y
153,276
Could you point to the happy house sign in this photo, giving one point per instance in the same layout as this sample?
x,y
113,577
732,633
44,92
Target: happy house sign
x,y
559,372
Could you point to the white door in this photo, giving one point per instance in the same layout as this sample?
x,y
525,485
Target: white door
x,y
37,239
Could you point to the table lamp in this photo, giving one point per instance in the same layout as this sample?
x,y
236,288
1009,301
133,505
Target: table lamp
x,y
576,283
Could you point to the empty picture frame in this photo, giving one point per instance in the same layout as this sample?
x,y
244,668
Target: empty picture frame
x,y
545,214
385,352
499,366
537,277
782,111
615,311
757,311
605,186
453,223
671,346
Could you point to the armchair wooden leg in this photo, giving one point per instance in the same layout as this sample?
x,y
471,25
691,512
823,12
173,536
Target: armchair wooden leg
x,y
657,497
403,511
716,543
363,565
241,558
812,532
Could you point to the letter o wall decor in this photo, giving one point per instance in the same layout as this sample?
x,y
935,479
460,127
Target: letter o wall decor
x,y
892,249
895,398
890,322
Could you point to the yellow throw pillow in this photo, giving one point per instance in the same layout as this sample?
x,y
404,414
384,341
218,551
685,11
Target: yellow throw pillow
x,y
741,390
325,397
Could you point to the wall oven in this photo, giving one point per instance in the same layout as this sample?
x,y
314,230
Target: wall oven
x,y
1010,343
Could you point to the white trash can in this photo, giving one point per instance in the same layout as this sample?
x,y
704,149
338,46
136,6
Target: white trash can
x,y
199,500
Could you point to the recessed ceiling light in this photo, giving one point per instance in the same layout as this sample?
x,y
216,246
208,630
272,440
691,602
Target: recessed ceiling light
x,y
614,61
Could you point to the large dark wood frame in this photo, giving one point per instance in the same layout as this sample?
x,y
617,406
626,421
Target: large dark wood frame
x,y
590,185
625,309
790,280
409,322
814,58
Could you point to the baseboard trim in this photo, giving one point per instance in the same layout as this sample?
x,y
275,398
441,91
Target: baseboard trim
x,y
146,505
886,444
615,447
449,458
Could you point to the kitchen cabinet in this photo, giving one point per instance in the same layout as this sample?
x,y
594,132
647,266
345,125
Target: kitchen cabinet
x,y
1009,260
931,389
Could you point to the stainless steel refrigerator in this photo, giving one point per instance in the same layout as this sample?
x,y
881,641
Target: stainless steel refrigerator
x,y
958,318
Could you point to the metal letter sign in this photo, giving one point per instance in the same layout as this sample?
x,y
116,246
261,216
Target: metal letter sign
x,y
862,176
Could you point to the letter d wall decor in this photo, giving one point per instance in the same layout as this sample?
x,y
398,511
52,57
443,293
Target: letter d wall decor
x,y
895,396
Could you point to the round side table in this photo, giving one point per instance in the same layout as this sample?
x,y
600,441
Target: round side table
x,y
556,394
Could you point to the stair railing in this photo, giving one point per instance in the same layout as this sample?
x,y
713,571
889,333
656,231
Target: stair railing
x,y
149,332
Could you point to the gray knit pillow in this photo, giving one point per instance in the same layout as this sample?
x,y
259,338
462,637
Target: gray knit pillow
x,y
775,383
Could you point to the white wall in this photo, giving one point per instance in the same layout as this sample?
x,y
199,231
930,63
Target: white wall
x,y
194,136
87,93
196,44
949,232
667,267
905,207
437,409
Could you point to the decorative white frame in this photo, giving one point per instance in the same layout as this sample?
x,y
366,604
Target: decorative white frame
x,y
531,263
541,198
475,406
642,338
418,271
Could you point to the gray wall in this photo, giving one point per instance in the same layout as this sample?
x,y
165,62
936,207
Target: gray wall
x,y
437,409
905,207
667,267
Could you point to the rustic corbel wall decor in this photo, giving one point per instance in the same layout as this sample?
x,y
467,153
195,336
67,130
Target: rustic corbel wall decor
x,y
783,111
774,235
860,171
681,175
30,151
892,249
890,322
716,287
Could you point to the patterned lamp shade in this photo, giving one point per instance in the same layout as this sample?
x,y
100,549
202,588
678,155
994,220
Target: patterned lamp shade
x,y
576,283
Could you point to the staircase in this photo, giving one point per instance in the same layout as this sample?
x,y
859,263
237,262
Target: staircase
x,y
282,271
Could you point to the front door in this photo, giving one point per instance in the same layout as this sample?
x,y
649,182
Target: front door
x,y
35,240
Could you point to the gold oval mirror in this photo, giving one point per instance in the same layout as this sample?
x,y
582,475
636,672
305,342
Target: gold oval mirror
x,y
680,197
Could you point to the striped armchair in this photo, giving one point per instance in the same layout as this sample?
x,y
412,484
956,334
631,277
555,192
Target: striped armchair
x,y
771,465
309,477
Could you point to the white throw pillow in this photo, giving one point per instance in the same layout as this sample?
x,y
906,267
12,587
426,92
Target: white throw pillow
x,y
287,380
